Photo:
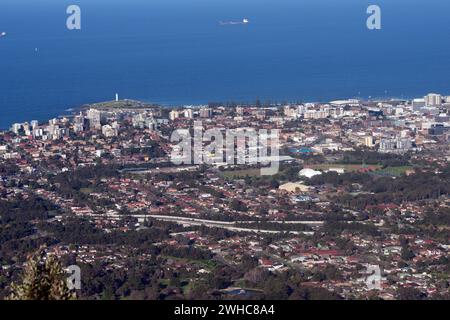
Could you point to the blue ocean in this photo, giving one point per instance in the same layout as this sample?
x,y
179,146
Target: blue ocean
x,y
175,52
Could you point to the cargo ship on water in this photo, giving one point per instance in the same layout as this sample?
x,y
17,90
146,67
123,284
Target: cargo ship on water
x,y
227,23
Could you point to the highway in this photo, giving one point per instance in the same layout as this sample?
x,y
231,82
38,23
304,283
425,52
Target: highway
x,y
229,225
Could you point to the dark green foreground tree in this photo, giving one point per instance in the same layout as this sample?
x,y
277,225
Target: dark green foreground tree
x,y
43,279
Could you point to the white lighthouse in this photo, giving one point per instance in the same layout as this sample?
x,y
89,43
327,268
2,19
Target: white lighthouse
x,y
117,97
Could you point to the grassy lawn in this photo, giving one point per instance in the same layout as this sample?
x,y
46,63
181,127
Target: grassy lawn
x,y
346,167
86,190
188,287
164,282
376,169
393,171
241,173
207,264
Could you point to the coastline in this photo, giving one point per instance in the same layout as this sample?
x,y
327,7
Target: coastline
x,y
72,111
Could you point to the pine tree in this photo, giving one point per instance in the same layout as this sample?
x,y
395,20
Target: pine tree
x,y
43,279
